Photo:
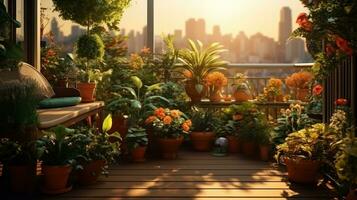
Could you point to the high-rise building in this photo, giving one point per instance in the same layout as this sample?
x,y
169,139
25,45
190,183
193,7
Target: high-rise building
x,y
196,29
295,50
285,30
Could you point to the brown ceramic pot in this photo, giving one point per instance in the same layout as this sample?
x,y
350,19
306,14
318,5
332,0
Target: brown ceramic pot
x,y
264,151
302,171
169,147
242,95
215,96
91,171
138,154
302,94
249,148
63,83
22,178
202,141
87,91
55,178
233,144
191,91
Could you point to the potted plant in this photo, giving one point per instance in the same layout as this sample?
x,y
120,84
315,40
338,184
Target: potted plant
x,y
60,151
19,160
302,152
197,62
273,91
300,82
314,107
290,120
215,81
264,141
137,142
202,134
229,131
241,88
169,127
98,152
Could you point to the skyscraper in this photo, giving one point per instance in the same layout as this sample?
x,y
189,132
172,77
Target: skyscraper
x,y
196,29
285,29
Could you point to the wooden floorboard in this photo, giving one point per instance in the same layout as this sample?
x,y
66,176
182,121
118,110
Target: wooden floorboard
x,y
196,176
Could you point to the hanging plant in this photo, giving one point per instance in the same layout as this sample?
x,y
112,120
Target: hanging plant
x,y
330,32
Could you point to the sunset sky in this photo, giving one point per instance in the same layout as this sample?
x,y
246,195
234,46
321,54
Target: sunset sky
x,y
250,16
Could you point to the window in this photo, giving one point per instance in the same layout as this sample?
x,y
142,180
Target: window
x,y
251,32
20,32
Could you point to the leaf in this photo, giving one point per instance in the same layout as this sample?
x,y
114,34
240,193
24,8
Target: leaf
x,y
137,81
107,123
199,88
135,104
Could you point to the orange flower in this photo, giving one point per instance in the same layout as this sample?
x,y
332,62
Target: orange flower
x,y
317,90
150,119
188,122
187,74
185,127
304,22
299,80
160,112
216,79
175,113
167,120
51,53
274,82
237,117
343,45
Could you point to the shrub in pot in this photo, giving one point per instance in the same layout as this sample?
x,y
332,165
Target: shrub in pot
x,y
202,134
302,153
137,142
215,81
229,131
61,147
299,82
197,62
19,161
264,140
169,128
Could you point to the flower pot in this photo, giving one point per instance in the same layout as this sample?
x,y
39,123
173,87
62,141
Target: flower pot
x,y
202,141
191,91
87,91
169,147
233,144
264,151
120,125
62,83
22,178
352,195
242,95
138,154
249,148
302,94
215,96
55,179
91,171
302,171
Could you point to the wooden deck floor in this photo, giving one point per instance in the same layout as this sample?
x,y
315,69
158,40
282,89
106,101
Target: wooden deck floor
x,y
196,176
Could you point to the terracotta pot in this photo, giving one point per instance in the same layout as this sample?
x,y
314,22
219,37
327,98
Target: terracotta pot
x,y
302,171
169,147
202,141
249,148
215,96
138,154
55,178
91,171
242,95
302,94
62,83
233,144
22,178
191,91
120,125
352,195
264,152
87,91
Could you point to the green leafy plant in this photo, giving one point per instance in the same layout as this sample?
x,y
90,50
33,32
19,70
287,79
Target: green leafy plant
x,y
14,153
241,82
223,129
197,62
202,121
291,120
136,137
10,53
307,143
90,47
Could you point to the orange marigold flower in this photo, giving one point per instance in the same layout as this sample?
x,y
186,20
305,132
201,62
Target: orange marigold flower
x,y
175,113
167,120
185,127
216,79
150,119
188,122
160,112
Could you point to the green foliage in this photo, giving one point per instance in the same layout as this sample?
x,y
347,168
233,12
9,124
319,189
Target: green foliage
x,y
92,12
90,47
14,153
10,53
202,121
306,143
19,101
200,61
291,120
136,137
223,129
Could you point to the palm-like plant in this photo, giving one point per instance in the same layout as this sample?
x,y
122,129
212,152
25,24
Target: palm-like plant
x,y
200,61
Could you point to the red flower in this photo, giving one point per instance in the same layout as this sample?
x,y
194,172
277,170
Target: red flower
x,y
317,90
304,22
330,50
51,53
341,102
343,45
